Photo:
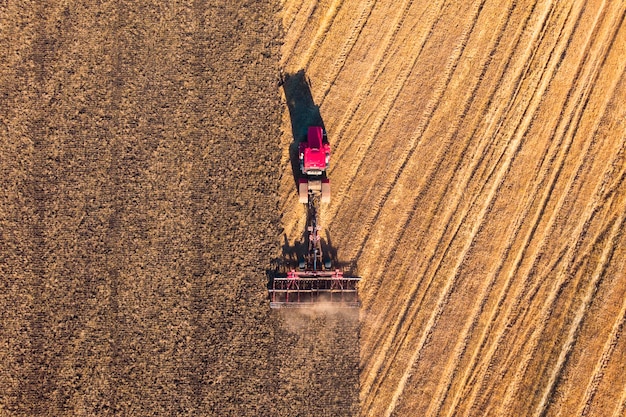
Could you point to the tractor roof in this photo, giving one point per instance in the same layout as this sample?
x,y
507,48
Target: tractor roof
x,y
315,137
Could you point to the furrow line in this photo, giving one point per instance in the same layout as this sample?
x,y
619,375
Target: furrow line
x,y
607,352
620,408
472,370
399,232
593,385
451,69
297,28
381,114
389,103
379,64
449,286
574,330
322,30
550,271
482,155
289,11
533,51
582,98
339,63
586,86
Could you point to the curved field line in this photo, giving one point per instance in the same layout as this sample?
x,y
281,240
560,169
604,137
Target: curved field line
x,y
338,64
548,306
607,352
518,84
471,369
516,265
453,62
297,26
322,30
289,10
583,96
592,288
413,142
431,324
520,76
403,226
481,345
620,408
380,62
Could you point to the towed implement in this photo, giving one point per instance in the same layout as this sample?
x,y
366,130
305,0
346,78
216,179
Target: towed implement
x,y
316,280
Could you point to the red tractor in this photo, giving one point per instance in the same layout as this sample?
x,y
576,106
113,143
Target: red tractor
x,y
314,155
316,280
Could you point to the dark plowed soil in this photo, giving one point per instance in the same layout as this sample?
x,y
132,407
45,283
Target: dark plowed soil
x,y
139,163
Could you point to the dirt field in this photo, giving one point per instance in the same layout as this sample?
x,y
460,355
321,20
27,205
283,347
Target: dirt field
x,y
479,185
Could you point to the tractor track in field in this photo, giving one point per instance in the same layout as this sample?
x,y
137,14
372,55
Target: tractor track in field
x,y
505,291
345,50
398,234
541,245
427,219
443,153
322,30
537,217
484,210
400,231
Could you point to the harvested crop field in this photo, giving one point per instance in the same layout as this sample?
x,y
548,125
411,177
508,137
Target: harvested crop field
x,y
479,170
479,188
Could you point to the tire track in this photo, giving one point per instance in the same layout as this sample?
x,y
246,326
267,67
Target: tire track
x,y
347,47
381,111
414,208
322,30
296,27
583,96
388,105
601,365
574,330
484,211
620,409
547,16
400,231
592,288
288,10
442,300
506,288
450,69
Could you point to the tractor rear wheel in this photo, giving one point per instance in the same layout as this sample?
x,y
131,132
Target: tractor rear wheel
x,y
303,191
325,191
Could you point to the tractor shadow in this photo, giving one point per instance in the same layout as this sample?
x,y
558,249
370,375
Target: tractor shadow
x,y
293,252
303,113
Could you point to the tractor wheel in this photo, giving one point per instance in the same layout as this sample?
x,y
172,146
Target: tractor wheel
x,y
303,191
325,191
328,264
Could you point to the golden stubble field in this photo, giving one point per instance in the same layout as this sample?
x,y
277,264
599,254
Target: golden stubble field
x,y
478,176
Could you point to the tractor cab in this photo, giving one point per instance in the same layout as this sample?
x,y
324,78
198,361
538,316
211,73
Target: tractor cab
x,y
314,154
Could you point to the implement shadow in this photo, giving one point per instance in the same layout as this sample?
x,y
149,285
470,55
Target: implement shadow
x,y
303,113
